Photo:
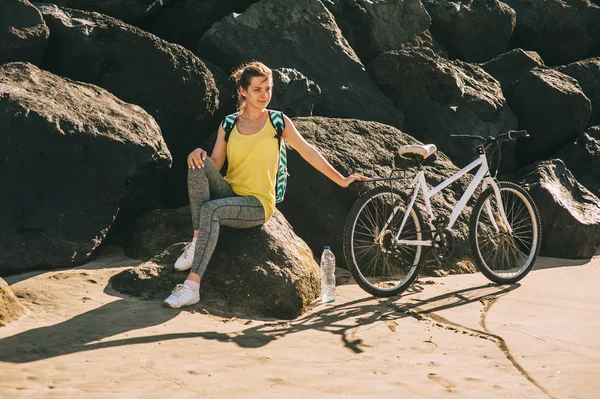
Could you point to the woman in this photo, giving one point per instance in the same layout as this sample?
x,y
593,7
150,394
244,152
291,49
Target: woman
x,y
245,197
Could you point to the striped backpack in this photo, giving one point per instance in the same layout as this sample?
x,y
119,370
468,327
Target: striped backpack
x,y
276,118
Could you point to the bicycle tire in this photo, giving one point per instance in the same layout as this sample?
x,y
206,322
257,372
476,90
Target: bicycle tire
x,y
401,262
503,257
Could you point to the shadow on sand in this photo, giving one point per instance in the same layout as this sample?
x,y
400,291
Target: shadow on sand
x,y
91,330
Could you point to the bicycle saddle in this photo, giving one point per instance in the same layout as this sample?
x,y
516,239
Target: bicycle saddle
x,y
409,151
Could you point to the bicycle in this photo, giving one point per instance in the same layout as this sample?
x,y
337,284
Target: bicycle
x,y
385,234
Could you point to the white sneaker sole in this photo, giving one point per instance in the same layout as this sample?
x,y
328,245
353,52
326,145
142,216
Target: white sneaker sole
x,y
168,305
182,269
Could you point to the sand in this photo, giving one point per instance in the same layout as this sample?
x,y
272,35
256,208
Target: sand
x,y
449,337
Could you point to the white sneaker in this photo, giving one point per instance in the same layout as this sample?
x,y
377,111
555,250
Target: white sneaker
x,y
184,262
182,295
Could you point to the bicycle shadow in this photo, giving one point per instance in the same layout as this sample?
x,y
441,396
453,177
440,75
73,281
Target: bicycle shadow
x,y
89,331
342,319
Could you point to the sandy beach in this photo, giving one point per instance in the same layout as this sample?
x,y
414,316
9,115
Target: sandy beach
x,y
456,336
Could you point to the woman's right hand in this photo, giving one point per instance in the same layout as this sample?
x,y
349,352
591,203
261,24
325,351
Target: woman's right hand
x,y
196,158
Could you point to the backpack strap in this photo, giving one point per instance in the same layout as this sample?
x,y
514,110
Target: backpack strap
x,y
276,118
228,124
278,123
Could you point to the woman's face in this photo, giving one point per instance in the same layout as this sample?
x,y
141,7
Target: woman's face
x,y
259,93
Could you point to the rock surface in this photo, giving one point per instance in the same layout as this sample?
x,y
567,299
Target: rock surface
x,y
463,98
165,79
552,107
472,30
570,214
587,74
10,307
293,93
185,21
561,31
23,33
374,27
301,35
72,155
267,271
583,159
508,68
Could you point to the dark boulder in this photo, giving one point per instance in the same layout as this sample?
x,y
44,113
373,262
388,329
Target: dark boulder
x,y
472,30
508,68
561,31
174,193
156,230
442,97
318,208
23,33
301,35
73,157
552,108
374,27
165,79
587,73
570,214
266,271
582,157
125,10
293,93
10,307
185,21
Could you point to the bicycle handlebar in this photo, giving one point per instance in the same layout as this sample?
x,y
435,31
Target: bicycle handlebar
x,y
510,135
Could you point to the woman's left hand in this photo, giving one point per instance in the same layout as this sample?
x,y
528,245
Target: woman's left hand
x,y
352,178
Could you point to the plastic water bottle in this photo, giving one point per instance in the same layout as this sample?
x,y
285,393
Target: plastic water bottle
x,y
327,275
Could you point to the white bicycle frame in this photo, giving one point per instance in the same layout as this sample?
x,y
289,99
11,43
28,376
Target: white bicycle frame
x,y
420,184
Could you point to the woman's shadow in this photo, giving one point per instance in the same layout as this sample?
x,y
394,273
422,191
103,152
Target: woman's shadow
x,y
86,331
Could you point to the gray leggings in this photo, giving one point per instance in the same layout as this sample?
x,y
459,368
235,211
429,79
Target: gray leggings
x,y
213,203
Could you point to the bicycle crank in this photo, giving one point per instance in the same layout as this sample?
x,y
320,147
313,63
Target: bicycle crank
x,y
443,243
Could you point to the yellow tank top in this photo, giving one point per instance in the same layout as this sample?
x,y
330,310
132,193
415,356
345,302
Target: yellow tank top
x,y
252,165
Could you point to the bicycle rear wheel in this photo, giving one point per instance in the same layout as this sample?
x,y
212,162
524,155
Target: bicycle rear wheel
x,y
502,256
378,263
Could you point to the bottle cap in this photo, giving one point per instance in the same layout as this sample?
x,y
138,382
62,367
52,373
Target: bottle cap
x,y
326,247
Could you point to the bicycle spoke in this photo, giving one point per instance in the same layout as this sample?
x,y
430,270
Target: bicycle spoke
x,y
379,261
506,254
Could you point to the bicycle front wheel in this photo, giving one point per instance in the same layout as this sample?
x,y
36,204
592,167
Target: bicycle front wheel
x,y
505,253
380,265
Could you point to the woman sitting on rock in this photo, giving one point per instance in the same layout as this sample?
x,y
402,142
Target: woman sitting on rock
x,y
245,197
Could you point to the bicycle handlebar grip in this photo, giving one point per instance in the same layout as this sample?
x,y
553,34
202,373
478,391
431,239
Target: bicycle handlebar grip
x,y
517,134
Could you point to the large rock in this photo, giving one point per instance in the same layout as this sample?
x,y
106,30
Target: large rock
x,y
72,155
126,10
472,30
10,307
561,31
553,109
23,33
185,21
266,271
156,230
293,93
374,27
442,97
587,73
318,208
508,68
582,157
174,193
165,79
301,35
570,214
